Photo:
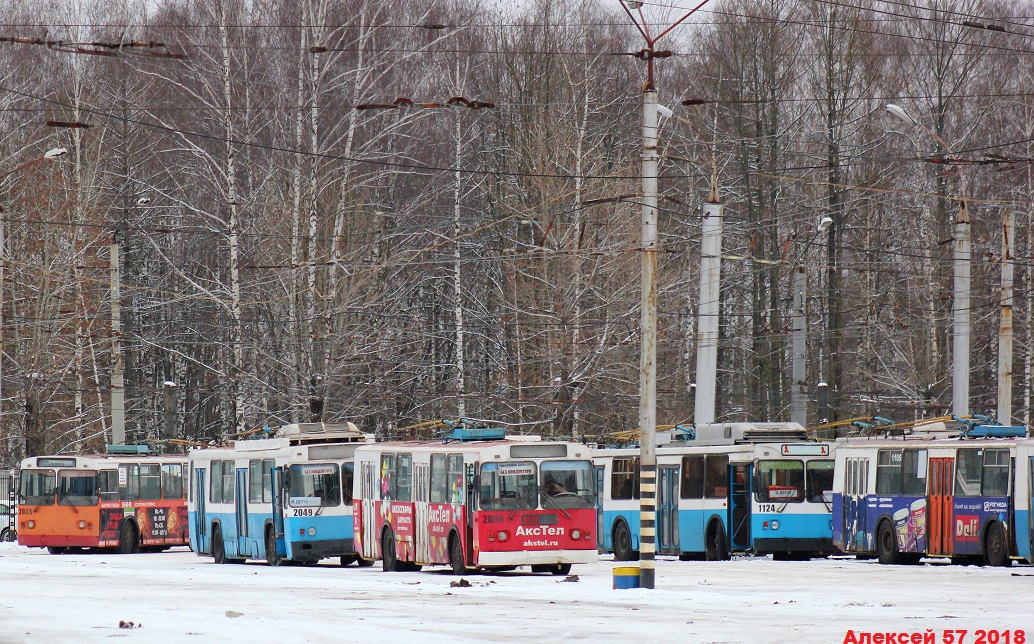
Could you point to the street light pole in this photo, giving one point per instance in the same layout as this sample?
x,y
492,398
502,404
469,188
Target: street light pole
x,y
961,262
47,156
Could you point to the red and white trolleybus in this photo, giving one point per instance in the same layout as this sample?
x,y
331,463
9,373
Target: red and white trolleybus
x,y
478,500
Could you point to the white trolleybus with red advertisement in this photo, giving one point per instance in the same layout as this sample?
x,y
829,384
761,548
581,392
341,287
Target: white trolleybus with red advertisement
x,y
476,500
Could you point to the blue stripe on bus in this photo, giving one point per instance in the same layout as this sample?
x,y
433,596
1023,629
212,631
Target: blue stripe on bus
x,y
328,527
792,526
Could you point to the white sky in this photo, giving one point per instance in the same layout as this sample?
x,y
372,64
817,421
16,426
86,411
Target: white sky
x,y
179,597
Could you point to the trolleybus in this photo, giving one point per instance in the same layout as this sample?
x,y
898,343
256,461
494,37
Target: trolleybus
x,y
287,498
754,488
128,502
476,501
906,497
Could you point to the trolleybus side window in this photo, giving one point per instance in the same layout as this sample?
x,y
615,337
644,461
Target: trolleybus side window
x,y
404,477
780,481
260,480
996,473
107,482
129,481
150,481
347,478
913,472
969,469
38,487
446,478
314,485
567,484
819,481
222,482
716,476
388,477
172,481
692,477
624,479
888,471
77,487
509,486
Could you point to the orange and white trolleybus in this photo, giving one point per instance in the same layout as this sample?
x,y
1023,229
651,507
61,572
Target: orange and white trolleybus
x,y
477,500
127,502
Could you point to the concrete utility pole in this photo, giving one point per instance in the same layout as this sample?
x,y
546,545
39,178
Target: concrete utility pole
x,y
708,309
798,401
648,303
1005,330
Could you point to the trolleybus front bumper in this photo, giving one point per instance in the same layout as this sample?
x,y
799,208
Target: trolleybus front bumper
x,y
321,549
818,545
534,558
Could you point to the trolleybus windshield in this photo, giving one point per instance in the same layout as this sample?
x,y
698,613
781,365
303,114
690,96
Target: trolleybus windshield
x,y
37,487
314,485
567,484
77,487
509,486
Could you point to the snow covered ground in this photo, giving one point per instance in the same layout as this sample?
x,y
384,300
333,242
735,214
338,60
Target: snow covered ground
x,y
179,597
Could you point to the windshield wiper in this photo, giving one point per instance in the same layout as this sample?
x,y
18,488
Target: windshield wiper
x,y
556,505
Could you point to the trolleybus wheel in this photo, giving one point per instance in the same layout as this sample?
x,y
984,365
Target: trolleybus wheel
x,y
561,569
56,550
456,556
996,549
389,558
717,547
273,558
347,560
622,543
363,563
887,544
218,548
128,543
6,535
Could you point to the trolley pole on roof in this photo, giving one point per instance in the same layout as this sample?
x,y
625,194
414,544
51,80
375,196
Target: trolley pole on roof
x,y
648,301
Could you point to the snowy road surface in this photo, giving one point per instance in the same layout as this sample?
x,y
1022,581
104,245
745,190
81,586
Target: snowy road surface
x,y
179,597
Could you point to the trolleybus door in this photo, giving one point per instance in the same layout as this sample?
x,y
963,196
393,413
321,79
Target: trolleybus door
x,y
200,521
739,505
668,510
942,480
277,482
1030,503
599,469
241,508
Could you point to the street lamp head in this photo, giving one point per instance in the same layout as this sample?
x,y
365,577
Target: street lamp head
x,y
632,4
899,112
143,201
825,223
664,111
53,154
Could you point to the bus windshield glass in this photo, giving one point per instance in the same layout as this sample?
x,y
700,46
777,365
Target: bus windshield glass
x,y
314,486
77,487
567,484
820,481
780,482
509,486
37,487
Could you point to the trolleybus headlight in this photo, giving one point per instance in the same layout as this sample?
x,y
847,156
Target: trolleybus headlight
x,y
774,525
82,525
312,532
503,536
32,524
576,534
